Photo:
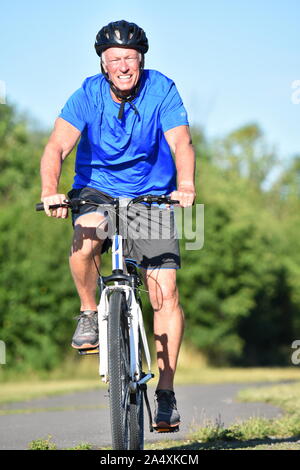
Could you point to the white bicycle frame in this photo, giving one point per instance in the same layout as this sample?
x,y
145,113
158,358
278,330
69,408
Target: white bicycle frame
x,y
135,323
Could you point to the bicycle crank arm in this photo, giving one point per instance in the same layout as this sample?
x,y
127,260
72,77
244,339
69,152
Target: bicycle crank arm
x,y
145,379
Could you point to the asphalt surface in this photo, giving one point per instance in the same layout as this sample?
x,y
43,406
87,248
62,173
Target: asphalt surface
x,y
83,417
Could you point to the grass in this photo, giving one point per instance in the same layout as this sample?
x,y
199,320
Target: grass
x,y
47,444
81,373
23,390
12,392
42,444
14,411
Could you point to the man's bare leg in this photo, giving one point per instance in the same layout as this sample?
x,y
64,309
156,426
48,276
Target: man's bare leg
x,y
168,322
86,246
84,261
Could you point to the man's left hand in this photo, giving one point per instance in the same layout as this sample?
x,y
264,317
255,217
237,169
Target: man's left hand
x,y
185,194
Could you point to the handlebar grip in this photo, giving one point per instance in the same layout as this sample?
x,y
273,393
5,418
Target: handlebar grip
x,y
173,201
39,206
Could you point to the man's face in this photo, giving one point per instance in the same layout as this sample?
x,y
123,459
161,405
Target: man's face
x,y
122,67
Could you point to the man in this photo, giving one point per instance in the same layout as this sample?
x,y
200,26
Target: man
x,y
128,120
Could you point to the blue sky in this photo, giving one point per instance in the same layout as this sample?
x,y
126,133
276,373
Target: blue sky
x,y
233,61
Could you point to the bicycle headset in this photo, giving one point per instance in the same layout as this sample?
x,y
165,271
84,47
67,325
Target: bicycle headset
x,y
128,35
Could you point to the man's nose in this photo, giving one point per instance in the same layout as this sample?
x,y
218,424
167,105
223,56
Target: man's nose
x,y
123,65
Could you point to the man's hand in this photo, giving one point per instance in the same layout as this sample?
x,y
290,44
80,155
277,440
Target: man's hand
x,y
185,194
61,212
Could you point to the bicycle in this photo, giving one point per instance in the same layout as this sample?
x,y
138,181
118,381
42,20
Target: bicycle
x,y
122,337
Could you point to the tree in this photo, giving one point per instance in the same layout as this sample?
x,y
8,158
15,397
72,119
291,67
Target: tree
x,y
19,154
245,152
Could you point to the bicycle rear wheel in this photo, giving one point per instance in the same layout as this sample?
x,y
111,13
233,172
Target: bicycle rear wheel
x,y
119,371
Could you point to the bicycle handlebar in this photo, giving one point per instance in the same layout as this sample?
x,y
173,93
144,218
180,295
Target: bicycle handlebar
x,y
75,203
40,206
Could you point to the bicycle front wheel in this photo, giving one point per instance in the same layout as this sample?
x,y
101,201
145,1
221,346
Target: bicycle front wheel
x,y
119,370
136,425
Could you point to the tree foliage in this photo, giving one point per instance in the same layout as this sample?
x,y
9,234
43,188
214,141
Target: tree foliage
x,y
240,292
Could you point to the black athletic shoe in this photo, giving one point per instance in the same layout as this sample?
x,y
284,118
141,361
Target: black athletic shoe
x,y
166,416
86,334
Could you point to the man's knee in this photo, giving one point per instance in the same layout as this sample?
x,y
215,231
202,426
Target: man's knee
x,y
86,239
163,292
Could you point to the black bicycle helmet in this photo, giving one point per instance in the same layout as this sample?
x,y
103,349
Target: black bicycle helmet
x,y
121,34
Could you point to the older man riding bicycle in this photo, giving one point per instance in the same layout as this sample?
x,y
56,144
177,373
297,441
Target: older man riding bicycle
x,y
128,121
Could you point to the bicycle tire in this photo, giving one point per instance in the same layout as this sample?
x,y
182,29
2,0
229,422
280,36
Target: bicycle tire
x,y
119,371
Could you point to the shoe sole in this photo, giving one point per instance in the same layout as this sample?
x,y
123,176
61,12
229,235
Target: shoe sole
x,y
88,352
85,346
165,427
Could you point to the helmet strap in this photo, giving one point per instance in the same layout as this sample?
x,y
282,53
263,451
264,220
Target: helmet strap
x,y
131,94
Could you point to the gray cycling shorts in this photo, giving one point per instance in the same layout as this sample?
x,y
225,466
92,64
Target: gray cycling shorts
x,y
149,232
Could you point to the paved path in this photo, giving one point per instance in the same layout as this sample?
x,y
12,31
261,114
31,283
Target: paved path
x,y
84,416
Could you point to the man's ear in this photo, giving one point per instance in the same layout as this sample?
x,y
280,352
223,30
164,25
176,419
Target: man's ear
x,y
103,68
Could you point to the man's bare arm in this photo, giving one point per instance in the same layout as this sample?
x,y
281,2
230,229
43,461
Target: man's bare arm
x,y
180,142
61,142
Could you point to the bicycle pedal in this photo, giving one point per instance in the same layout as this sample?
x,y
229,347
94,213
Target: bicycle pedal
x,y
88,352
166,429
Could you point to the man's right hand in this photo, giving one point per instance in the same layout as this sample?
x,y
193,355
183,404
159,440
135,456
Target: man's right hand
x,y
61,212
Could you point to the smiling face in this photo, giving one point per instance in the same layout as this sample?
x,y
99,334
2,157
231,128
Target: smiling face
x,y
123,68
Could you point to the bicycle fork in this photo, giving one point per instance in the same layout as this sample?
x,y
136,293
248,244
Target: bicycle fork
x,y
136,325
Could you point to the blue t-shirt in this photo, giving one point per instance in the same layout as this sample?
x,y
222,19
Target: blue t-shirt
x,y
127,157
